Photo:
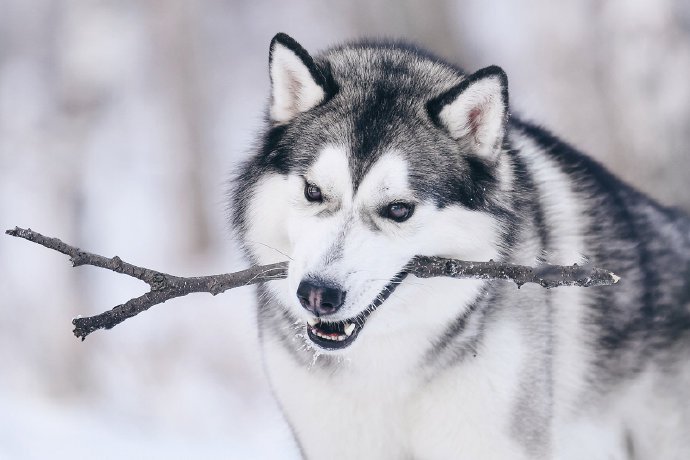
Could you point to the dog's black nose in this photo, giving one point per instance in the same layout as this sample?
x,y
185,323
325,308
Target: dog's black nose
x,y
319,298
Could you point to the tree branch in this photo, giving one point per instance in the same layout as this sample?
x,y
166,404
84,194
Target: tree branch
x,y
165,287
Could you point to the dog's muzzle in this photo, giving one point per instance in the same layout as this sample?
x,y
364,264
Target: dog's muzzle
x,y
336,335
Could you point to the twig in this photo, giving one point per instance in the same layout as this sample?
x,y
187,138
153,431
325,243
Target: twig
x,y
165,287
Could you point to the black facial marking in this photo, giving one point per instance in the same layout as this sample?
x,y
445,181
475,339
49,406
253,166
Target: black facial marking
x,y
470,186
478,183
381,116
273,156
374,127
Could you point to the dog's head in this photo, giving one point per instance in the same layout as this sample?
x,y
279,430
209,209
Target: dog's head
x,y
374,154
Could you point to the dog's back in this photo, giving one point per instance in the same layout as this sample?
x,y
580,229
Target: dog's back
x,y
634,372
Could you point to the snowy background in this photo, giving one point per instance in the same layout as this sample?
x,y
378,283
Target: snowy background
x,y
120,122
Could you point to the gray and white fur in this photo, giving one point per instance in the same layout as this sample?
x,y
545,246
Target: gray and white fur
x,y
376,152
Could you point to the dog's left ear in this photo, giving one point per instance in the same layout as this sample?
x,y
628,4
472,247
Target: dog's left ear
x,y
297,83
475,112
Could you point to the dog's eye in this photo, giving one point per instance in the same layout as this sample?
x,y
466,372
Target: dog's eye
x,y
398,211
312,193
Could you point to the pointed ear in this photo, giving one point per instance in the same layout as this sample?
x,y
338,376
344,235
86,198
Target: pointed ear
x,y
475,112
297,84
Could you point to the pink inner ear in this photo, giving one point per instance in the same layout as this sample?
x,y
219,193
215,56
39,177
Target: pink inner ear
x,y
474,118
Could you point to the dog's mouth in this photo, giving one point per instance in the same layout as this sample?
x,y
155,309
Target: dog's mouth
x,y
336,335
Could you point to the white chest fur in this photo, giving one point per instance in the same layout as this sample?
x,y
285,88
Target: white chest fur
x,y
393,408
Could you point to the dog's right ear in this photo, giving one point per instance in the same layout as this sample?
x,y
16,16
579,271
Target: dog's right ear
x,y
297,84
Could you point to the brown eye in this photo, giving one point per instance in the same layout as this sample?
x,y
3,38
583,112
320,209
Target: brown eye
x,y
312,193
398,212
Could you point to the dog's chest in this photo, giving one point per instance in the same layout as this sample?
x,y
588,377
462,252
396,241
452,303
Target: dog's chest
x,y
384,412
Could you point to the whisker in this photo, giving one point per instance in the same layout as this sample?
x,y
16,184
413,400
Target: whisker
x,y
271,247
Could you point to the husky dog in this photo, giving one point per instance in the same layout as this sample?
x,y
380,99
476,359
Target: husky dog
x,y
376,152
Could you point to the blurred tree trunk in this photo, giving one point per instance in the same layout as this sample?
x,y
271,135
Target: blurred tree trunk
x,y
642,50
428,23
176,30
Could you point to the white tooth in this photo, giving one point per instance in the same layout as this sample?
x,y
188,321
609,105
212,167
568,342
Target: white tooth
x,y
349,329
313,321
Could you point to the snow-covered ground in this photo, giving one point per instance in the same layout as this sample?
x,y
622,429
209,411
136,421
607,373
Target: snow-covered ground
x,y
42,428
